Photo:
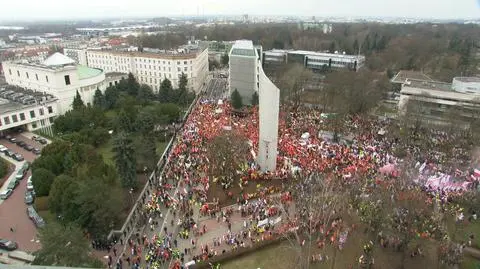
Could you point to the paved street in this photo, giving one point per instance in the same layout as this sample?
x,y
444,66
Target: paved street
x,y
13,210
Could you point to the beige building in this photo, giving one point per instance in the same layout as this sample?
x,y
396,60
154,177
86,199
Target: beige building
x,y
152,68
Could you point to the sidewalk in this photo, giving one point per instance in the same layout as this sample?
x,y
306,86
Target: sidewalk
x,y
18,165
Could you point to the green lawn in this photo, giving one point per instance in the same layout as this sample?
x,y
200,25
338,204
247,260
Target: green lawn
x,y
106,151
470,263
161,147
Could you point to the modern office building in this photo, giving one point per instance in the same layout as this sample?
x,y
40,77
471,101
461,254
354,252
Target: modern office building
x,y
435,100
58,76
152,68
314,60
247,76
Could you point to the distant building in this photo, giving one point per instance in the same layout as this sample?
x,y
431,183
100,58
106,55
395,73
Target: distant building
x,y
216,49
78,55
434,100
314,60
154,66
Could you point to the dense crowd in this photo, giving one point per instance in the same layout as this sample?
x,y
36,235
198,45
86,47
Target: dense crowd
x,y
302,149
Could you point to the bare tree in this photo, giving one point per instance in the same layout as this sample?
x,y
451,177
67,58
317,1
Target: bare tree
x,y
292,81
317,205
226,153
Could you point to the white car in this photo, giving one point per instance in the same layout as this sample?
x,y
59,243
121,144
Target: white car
x,y
3,148
29,186
5,194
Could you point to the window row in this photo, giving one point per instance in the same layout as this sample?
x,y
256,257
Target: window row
x,y
21,116
27,75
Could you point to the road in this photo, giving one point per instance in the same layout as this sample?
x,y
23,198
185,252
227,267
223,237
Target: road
x,y
217,89
13,210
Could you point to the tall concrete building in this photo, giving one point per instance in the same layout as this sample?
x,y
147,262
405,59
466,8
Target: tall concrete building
x,y
244,64
247,77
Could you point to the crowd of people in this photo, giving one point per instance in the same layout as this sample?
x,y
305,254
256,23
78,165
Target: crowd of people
x,y
184,185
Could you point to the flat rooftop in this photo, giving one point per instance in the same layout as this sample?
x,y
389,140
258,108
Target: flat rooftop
x,y
279,52
403,75
85,72
429,85
243,48
468,79
115,74
7,106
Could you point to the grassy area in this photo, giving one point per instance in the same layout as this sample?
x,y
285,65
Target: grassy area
x,y
47,216
282,257
470,263
106,151
161,147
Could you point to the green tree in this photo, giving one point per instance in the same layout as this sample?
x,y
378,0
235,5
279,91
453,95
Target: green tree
x,y
145,123
132,85
225,59
99,206
213,64
125,161
3,168
254,99
166,91
145,94
98,99
182,93
77,102
146,152
42,180
111,96
236,100
355,46
64,246
59,196
125,122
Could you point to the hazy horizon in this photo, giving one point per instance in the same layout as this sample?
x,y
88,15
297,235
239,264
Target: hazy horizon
x,y
30,10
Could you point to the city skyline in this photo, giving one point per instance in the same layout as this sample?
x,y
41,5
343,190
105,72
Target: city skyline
x,y
89,9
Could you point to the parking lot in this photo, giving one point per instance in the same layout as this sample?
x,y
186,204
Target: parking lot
x,y
13,214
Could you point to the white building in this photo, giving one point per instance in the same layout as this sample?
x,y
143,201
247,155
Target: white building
x,y
58,76
152,68
434,100
20,108
78,55
314,60
247,76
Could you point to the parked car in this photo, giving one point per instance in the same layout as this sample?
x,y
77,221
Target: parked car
x,y
18,157
37,151
29,198
26,166
33,215
8,244
12,185
30,184
5,194
3,148
21,144
28,147
20,174
8,137
42,141
9,153
13,140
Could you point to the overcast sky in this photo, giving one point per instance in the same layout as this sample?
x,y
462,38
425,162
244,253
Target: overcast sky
x,y
65,9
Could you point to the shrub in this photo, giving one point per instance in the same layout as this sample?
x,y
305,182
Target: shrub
x,y
41,203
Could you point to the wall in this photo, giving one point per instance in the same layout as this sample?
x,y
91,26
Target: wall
x,y
269,101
